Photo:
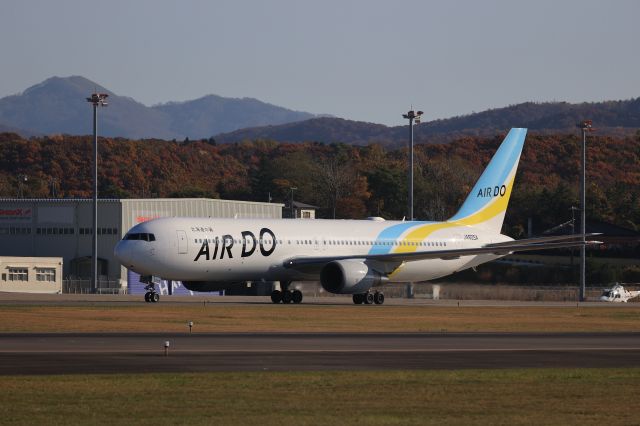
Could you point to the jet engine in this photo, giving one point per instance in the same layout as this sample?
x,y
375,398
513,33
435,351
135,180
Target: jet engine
x,y
349,277
210,285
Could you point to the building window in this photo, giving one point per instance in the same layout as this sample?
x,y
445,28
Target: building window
x,y
306,215
18,274
46,274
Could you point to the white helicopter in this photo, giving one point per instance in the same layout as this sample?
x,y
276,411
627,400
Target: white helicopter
x,y
617,293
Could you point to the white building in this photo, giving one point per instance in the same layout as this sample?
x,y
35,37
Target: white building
x,y
63,227
31,274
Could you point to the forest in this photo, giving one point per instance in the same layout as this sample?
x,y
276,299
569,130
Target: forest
x,y
343,180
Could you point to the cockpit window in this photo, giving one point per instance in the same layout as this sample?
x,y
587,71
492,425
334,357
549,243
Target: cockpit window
x,y
140,236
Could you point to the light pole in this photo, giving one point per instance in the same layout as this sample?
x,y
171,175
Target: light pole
x,y
586,126
293,215
96,99
53,182
573,231
411,116
22,180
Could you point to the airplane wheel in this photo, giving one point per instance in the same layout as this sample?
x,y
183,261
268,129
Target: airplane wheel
x,y
358,299
276,296
154,297
368,298
296,297
378,298
146,297
287,296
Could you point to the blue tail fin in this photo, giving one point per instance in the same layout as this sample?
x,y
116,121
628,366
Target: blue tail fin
x,y
486,205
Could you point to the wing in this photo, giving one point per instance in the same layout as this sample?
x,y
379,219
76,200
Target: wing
x,y
500,249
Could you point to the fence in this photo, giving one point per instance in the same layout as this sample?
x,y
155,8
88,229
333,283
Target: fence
x,y
463,291
451,291
72,286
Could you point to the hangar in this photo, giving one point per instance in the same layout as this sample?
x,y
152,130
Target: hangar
x,y
63,228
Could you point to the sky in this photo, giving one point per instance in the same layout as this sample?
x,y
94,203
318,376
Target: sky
x,y
369,60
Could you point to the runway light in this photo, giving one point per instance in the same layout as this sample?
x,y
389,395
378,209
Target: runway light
x,y
190,324
166,348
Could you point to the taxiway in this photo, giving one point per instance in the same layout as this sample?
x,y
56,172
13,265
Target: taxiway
x,y
144,352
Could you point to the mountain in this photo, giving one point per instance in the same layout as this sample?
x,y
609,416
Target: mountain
x,y
616,118
213,114
58,105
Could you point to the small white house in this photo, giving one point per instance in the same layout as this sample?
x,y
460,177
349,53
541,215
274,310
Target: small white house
x,y
304,211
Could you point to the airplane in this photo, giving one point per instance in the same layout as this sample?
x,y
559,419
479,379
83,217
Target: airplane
x,y
356,257
618,293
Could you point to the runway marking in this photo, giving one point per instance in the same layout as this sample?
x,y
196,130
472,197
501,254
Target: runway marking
x,y
278,351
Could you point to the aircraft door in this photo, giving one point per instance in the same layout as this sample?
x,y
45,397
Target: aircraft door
x,y
456,242
182,242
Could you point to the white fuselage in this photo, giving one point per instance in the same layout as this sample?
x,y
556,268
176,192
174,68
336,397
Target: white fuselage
x,y
211,249
618,294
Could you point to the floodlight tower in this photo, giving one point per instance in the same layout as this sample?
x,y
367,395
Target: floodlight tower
x,y
586,126
411,116
96,99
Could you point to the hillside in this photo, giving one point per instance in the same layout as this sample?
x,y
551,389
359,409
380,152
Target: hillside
x,y
615,118
58,106
324,130
370,180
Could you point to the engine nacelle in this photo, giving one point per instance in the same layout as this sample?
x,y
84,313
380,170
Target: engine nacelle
x,y
210,285
349,277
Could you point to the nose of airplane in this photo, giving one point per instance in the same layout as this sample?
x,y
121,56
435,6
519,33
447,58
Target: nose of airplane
x,y
123,253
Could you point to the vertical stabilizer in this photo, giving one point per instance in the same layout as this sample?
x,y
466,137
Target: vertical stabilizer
x,y
486,205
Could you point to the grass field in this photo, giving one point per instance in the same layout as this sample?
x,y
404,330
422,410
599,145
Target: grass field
x,y
482,397
420,397
313,318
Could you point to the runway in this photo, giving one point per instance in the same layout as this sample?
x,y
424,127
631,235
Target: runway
x,y
137,353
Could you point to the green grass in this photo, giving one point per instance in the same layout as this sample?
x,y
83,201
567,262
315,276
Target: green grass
x,y
484,397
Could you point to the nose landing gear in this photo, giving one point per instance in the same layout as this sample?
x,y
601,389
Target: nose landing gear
x,y
150,296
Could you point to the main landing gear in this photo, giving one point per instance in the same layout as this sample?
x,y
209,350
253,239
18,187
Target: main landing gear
x,y
369,298
285,295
